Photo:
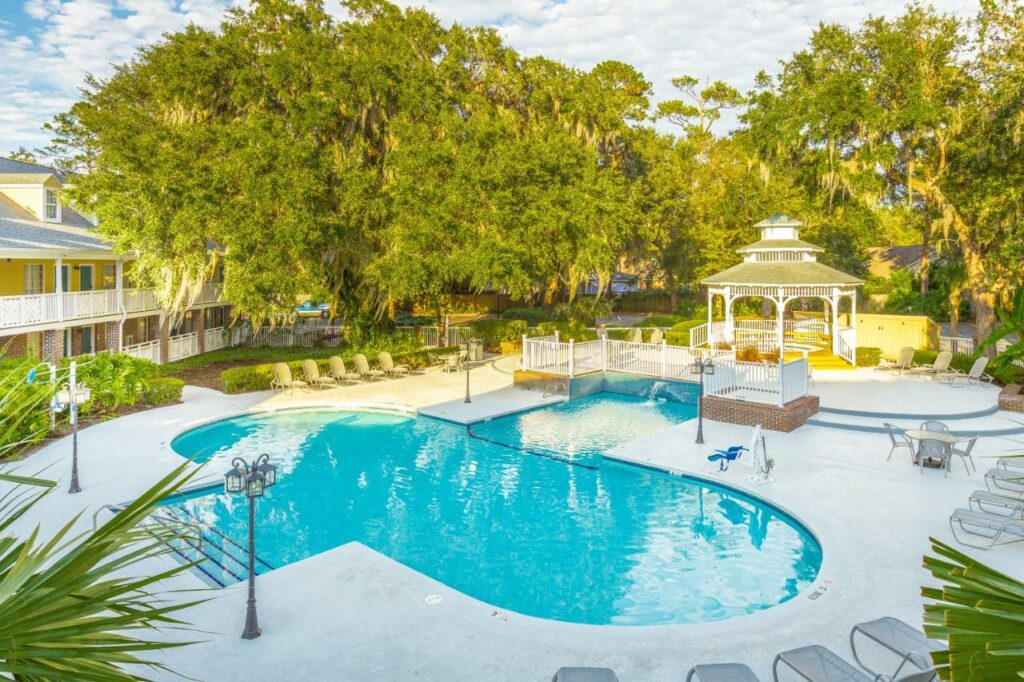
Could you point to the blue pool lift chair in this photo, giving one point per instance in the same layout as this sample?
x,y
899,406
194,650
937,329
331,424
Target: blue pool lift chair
x,y
584,675
723,457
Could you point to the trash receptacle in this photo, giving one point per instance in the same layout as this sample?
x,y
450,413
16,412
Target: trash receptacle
x,y
476,349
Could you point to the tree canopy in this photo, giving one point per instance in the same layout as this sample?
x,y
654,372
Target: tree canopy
x,y
387,157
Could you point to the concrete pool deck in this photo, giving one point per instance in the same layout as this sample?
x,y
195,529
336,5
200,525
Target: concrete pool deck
x,y
353,614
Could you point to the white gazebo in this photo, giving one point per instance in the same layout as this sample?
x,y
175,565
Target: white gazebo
x,y
782,268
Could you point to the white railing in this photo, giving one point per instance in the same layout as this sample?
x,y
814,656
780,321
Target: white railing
x,y
210,293
549,355
287,337
83,304
148,350
703,335
761,382
1002,345
182,346
847,343
214,339
958,345
20,311
456,335
139,300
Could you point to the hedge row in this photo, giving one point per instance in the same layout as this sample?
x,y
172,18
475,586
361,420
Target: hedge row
x,y
258,377
679,335
163,391
868,356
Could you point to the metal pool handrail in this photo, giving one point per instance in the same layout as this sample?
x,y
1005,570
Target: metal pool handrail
x,y
196,527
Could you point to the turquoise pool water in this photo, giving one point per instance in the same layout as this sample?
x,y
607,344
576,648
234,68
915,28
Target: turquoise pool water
x,y
530,519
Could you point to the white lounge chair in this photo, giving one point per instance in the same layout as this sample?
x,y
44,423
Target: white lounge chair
x,y
816,663
993,527
584,675
938,366
313,377
340,372
389,366
721,672
1008,480
907,642
657,336
904,361
976,375
1004,504
283,380
362,366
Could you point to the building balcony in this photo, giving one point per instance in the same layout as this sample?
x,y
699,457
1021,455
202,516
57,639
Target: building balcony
x,y
41,311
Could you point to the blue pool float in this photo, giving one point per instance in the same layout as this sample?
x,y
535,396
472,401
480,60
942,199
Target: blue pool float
x,y
723,457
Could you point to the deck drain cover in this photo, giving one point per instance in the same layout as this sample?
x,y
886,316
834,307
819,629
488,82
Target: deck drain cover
x,y
433,599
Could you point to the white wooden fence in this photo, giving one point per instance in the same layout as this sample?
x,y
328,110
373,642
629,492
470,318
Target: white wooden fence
x,y
182,346
214,339
958,345
148,350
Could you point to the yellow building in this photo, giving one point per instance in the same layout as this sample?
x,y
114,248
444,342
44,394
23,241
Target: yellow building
x,y
65,292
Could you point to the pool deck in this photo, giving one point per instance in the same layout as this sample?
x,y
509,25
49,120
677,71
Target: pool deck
x,y
353,614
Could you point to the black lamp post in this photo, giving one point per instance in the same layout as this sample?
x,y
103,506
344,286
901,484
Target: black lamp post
x,y
251,479
70,396
701,367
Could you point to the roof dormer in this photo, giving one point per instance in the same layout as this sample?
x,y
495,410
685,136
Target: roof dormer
x,y
779,226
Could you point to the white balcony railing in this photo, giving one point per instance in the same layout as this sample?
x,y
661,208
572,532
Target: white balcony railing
x,y
214,339
148,350
182,346
40,309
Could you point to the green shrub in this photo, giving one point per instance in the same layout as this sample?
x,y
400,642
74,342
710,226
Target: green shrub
x,y
567,330
25,393
163,391
868,356
258,377
115,379
532,316
660,321
963,363
679,335
493,332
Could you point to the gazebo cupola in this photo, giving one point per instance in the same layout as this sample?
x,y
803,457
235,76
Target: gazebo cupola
x,y
782,268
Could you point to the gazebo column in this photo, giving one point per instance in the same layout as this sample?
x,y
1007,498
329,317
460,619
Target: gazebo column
x,y
853,322
780,328
834,301
730,330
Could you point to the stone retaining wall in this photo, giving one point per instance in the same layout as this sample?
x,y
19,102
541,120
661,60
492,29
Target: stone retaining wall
x,y
1011,398
539,381
790,416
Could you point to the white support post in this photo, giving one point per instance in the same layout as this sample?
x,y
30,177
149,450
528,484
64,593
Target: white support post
x,y
556,337
523,360
730,335
711,299
664,359
58,281
835,322
604,352
782,387
853,324
572,359
780,321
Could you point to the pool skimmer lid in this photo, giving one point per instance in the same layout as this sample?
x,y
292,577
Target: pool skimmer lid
x,y
433,599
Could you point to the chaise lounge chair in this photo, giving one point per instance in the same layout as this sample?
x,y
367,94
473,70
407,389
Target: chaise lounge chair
x,y
982,524
904,361
283,380
584,675
1004,504
976,375
938,366
389,366
363,367
340,372
313,377
1004,479
721,672
905,641
816,663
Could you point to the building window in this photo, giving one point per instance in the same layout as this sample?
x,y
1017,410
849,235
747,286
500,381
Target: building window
x,y
109,280
34,278
52,205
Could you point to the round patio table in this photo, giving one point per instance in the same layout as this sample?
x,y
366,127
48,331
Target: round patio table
x,y
945,437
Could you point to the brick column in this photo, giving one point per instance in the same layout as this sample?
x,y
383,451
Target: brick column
x,y
112,336
53,345
163,334
199,325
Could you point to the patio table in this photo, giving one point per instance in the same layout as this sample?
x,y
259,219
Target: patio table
x,y
945,437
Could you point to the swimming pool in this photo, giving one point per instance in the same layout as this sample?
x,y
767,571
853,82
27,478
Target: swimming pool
x,y
521,512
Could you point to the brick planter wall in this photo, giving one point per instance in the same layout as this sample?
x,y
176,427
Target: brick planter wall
x,y
1011,398
786,418
539,381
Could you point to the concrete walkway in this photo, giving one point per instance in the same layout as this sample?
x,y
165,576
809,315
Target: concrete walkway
x,y
353,614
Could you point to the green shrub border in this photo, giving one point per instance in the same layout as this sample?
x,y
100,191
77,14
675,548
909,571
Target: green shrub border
x,y
163,391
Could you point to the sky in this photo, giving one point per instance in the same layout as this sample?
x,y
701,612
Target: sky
x,y
47,46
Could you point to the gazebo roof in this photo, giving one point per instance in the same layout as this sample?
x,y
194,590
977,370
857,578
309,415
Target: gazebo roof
x,y
782,274
779,220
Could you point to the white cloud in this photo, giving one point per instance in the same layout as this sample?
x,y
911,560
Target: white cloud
x,y
728,39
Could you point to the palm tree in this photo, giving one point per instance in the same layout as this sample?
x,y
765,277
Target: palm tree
x,y
1011,323
980,613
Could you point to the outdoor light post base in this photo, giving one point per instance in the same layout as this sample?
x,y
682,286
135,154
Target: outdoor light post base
x,y
467,400
252,626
